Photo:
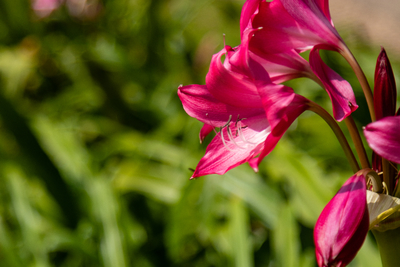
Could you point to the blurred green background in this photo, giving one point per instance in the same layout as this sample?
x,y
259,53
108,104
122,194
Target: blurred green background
x,y
95,146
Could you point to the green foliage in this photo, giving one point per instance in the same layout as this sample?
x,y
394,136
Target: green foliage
x,y
95,147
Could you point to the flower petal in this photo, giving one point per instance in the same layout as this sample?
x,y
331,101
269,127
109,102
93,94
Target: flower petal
x,y
205,130
199,103
248,10
338,89
233,145
383,136
231,87
294,24
284,66
343,224
282,106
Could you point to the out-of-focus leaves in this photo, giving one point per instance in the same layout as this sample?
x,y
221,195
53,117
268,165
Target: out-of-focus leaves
x,y
285,239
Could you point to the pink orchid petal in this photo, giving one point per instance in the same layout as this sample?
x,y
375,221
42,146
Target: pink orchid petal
x,y
205,130
199,103
343,224
338,89
231,87
238,145
383,136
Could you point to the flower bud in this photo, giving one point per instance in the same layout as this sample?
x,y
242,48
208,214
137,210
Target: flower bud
x,y
384,88
343,225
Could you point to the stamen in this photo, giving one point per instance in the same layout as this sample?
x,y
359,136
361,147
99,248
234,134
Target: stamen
x,y
229,121
242,136
233,139
223,141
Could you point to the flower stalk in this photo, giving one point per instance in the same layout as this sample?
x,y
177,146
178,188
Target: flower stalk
x,y
346,53
355,136
339,134
388,245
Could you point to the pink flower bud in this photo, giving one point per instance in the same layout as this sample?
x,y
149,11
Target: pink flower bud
x,y
384,88
342,226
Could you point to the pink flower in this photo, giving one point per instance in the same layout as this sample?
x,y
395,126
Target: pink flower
x,y
292,24
241,96
343,225
286,27
252,114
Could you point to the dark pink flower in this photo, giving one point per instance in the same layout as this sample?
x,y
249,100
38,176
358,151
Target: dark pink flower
x,y
343,225
282,65
292,24
282,29
251,112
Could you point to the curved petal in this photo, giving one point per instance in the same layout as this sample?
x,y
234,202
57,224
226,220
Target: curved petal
x,y
205,130
231,87
283,67
248,10
343,225
199,103
383,136
233,145
314,15
338,89
294,24
282,106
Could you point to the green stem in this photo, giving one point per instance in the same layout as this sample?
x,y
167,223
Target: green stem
x,y
387,178
346,53
355,136
338,132
388,245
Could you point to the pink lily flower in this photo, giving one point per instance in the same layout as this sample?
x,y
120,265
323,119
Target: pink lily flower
x,y
281,66
292,24
343,225
282,33
252,114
